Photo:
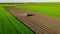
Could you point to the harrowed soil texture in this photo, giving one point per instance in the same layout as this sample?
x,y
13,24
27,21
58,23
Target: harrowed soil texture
x,y
40,24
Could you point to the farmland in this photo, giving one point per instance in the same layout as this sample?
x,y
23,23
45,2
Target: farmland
x,y
10,25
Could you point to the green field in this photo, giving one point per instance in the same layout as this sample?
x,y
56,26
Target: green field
x,y
50,9
9,24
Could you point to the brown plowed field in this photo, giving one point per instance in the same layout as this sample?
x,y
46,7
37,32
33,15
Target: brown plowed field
x,y
41,24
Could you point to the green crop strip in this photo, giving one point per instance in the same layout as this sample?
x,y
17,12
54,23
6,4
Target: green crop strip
x,y
10,25
50,9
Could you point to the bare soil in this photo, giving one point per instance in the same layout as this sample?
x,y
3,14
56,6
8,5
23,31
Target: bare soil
x,y
40,24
